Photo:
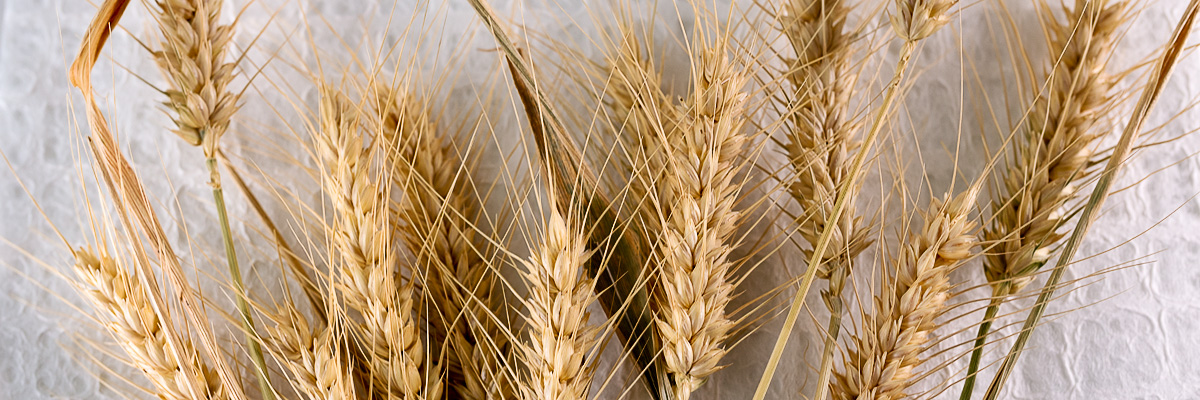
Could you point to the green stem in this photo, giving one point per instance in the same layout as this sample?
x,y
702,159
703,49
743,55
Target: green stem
x,y
985,328
235,273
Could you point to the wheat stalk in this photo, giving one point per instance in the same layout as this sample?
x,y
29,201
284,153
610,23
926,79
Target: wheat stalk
x,y
435,211
362,235
819,144
312,356
192,56
1051,157
888,348
560,339
175,371
695,242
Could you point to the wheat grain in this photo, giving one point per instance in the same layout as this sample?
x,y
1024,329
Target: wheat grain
x,y
560,339
362,235
176,372
1052,155
435,212
888,347
695,243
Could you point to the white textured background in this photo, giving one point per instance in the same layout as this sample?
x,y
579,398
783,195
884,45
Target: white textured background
x,y
1138,339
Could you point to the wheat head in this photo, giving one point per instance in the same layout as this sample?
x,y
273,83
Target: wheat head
x,y
192,55
560,339
917,19
176,373
362,236
1053,153
436,226
695,243
889,345
821,139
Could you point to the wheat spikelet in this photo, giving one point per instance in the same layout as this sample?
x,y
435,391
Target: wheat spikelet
x,y
192,56
821,139
695,246
917,19
317,365
177,373
362,235
435,211
560,340
1053,154
888,347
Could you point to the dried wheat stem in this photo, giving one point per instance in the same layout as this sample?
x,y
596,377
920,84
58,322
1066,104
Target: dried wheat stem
x,y
888,348
695,242
1051,157
362,235
176,372
435,212
819,144
915,20
560,339
313,357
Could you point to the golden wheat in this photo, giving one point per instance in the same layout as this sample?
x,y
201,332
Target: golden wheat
x,y
888,347
695,243
362,236
435,213
560,338
1053,153
176,371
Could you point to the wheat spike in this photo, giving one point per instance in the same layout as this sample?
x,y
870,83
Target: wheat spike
x,y
560,339
1053,154
821,141
192,56
695,243
177,374
362,235
312,356
888,347
435,212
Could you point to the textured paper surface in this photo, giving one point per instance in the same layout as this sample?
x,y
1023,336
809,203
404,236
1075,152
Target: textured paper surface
x,y
1136,339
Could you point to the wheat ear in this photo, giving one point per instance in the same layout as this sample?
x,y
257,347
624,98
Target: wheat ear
x,y
819,144
312,356
1053,154
435,212
560,339
1050,158
192,56
913,21
362,235
888,348
176,372
695,243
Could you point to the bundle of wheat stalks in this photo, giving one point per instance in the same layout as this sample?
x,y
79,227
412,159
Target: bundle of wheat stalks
x,y
645,209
